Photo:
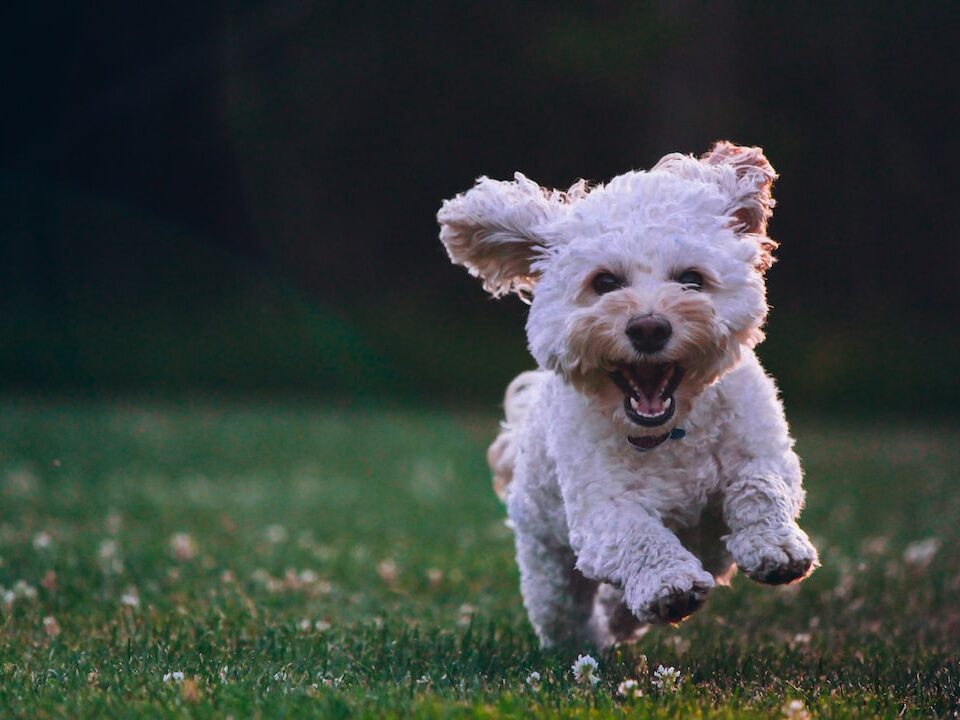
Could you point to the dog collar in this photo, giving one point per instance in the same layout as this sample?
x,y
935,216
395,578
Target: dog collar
x,y
649,442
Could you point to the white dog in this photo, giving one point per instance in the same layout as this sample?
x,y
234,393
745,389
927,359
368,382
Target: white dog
x,y
649,456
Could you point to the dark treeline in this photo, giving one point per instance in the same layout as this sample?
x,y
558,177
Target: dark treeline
x,y
167,160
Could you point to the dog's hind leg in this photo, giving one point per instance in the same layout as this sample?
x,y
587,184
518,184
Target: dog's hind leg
x,y
502,454
558,598
612,621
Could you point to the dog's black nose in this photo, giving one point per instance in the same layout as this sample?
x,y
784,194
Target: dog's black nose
x,y
650,333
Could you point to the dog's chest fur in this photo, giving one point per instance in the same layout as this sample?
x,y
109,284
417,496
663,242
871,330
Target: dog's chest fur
x,y
676,480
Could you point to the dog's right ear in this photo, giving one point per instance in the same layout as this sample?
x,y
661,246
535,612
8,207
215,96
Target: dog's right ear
x,y
494,230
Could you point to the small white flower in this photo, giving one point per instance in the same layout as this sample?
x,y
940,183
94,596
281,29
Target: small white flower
x,y
50,626
321,626
175,676
108,549
130,598
585,670
333,681
183,547
108,555
795,710
629,689
9,597
533,680
304,625
466,612
42,540
277,534
920,554
22,589
387,570
666,679
307,577
322,587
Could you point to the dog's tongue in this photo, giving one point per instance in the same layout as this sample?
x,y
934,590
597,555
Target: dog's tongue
x,y
647,404
650,379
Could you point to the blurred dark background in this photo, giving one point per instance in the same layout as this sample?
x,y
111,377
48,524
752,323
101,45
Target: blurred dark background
x,y
240,196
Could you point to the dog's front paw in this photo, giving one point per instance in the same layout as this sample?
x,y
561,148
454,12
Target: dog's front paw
x,y
668,596
774,555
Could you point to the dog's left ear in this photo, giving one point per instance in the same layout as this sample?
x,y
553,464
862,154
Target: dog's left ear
x,y
751,201
496,231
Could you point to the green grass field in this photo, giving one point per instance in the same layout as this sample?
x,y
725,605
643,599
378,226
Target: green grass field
x,y
306,561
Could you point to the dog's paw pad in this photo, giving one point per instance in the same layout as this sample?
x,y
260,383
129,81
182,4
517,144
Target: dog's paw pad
x,y
670,600
781,574
775,557
677,605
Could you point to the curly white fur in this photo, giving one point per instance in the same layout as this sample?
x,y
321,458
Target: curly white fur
x,y
610,538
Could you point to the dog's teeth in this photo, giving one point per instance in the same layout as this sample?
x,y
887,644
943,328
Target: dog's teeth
x,y
634,404
667,403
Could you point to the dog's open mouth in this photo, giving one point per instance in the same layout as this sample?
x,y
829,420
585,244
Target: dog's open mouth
x,y
648,391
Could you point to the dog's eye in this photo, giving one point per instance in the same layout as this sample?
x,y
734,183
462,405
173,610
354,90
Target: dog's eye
x,y
606,282
691,279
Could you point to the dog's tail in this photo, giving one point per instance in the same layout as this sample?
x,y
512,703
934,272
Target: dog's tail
x,y
502,454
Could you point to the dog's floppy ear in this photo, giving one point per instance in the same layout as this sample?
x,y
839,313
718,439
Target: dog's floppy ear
x,y
748,186
493,231
754,175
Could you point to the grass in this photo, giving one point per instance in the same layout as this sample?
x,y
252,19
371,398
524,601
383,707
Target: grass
x,y
292,560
